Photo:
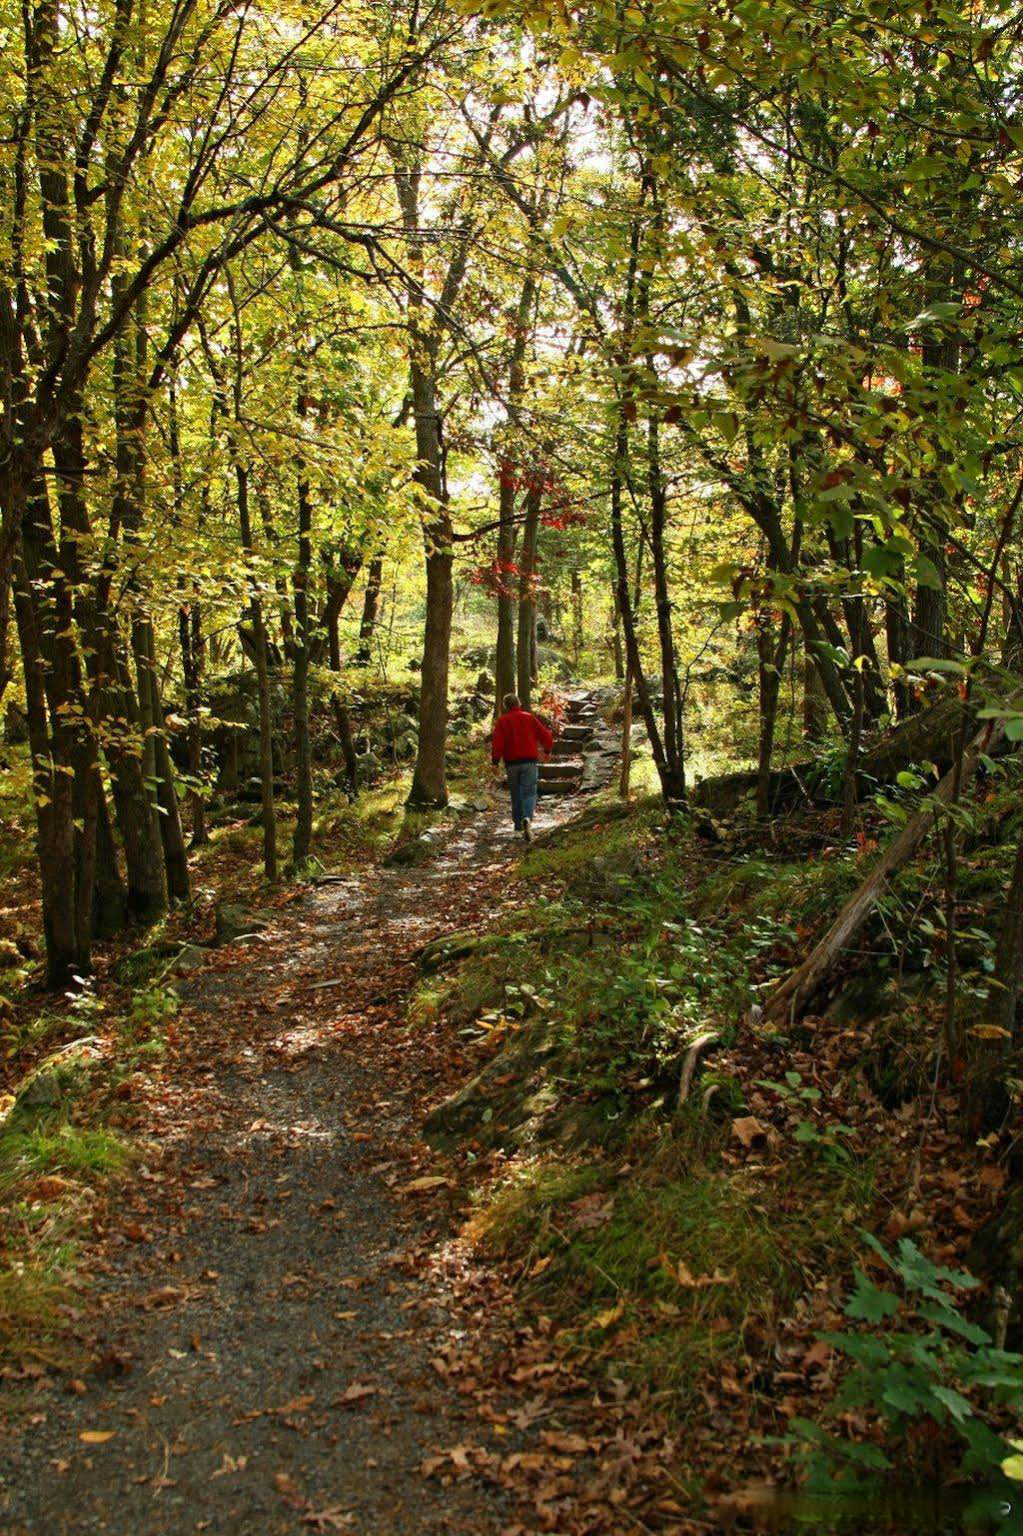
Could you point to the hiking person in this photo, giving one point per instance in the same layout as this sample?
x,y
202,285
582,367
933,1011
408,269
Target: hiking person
x,y
518,739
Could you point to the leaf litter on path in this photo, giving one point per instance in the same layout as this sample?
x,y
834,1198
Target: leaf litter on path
x,y
455,1423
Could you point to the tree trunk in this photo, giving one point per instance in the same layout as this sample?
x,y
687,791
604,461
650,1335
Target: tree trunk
x,y
109,902
771,663
343,724
896,622
189,634
815,702
429,781
6,567
526,642
673,780
302,840
577,617
175,855
625,777
505,651
191,642
52,796
340,579
262,670
61,737
370,608
617,653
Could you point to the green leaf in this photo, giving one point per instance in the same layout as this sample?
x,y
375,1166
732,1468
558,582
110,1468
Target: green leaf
x,y
880,561
948,1317
904,1398
870,1304
927,573
958,1406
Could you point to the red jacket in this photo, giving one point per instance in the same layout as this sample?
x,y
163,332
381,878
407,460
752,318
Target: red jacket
x,y
517,735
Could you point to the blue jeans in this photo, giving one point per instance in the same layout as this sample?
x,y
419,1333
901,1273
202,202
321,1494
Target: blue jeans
x,y
522,781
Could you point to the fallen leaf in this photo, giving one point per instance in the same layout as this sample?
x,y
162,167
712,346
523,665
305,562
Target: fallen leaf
x,y
748,1130
230,1464
333,1519
428,1181
97,1436
356,1393
568,1445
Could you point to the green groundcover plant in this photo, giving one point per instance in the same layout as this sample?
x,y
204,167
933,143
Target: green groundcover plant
x,y
927,1395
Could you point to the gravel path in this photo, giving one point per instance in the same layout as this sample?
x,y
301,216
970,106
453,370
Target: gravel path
x,y
274,1299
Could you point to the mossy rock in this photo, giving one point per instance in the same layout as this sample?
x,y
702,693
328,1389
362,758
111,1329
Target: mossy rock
x,y
234,920
442,952
496,1106
169,957
56,1083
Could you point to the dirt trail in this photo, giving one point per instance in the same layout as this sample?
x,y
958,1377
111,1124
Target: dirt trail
x,y
272,1298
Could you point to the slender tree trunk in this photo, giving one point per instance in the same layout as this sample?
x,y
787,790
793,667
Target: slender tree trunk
x,y
505,653
262,670
53,802
896,622
61,728
577,617
505,650
815,702
343,724
930,606
616,641
191,643
302,840
525,648
634,662
109,905
429,780
625,777
771,655
340,579
175,854
370,609
674,779
189,637
6,570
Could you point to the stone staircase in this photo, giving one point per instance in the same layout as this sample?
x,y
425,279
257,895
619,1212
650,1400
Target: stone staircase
x,y
563,775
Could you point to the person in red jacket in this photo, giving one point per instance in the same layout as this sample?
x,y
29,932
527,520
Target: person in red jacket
x,y
518,739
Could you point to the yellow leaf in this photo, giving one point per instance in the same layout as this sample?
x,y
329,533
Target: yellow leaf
x,y
428,1181
97,1436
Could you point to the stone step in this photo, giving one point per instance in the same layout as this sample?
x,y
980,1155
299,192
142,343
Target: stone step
x,y
569,768
575,731
552,787
563,748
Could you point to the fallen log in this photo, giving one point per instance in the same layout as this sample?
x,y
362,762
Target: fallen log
x,y
927,737
802,984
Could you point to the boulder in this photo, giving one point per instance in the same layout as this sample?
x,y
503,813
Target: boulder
x,y
442,952
234,919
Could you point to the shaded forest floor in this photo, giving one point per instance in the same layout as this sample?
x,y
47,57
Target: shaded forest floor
x,y
280,1331
590,1299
